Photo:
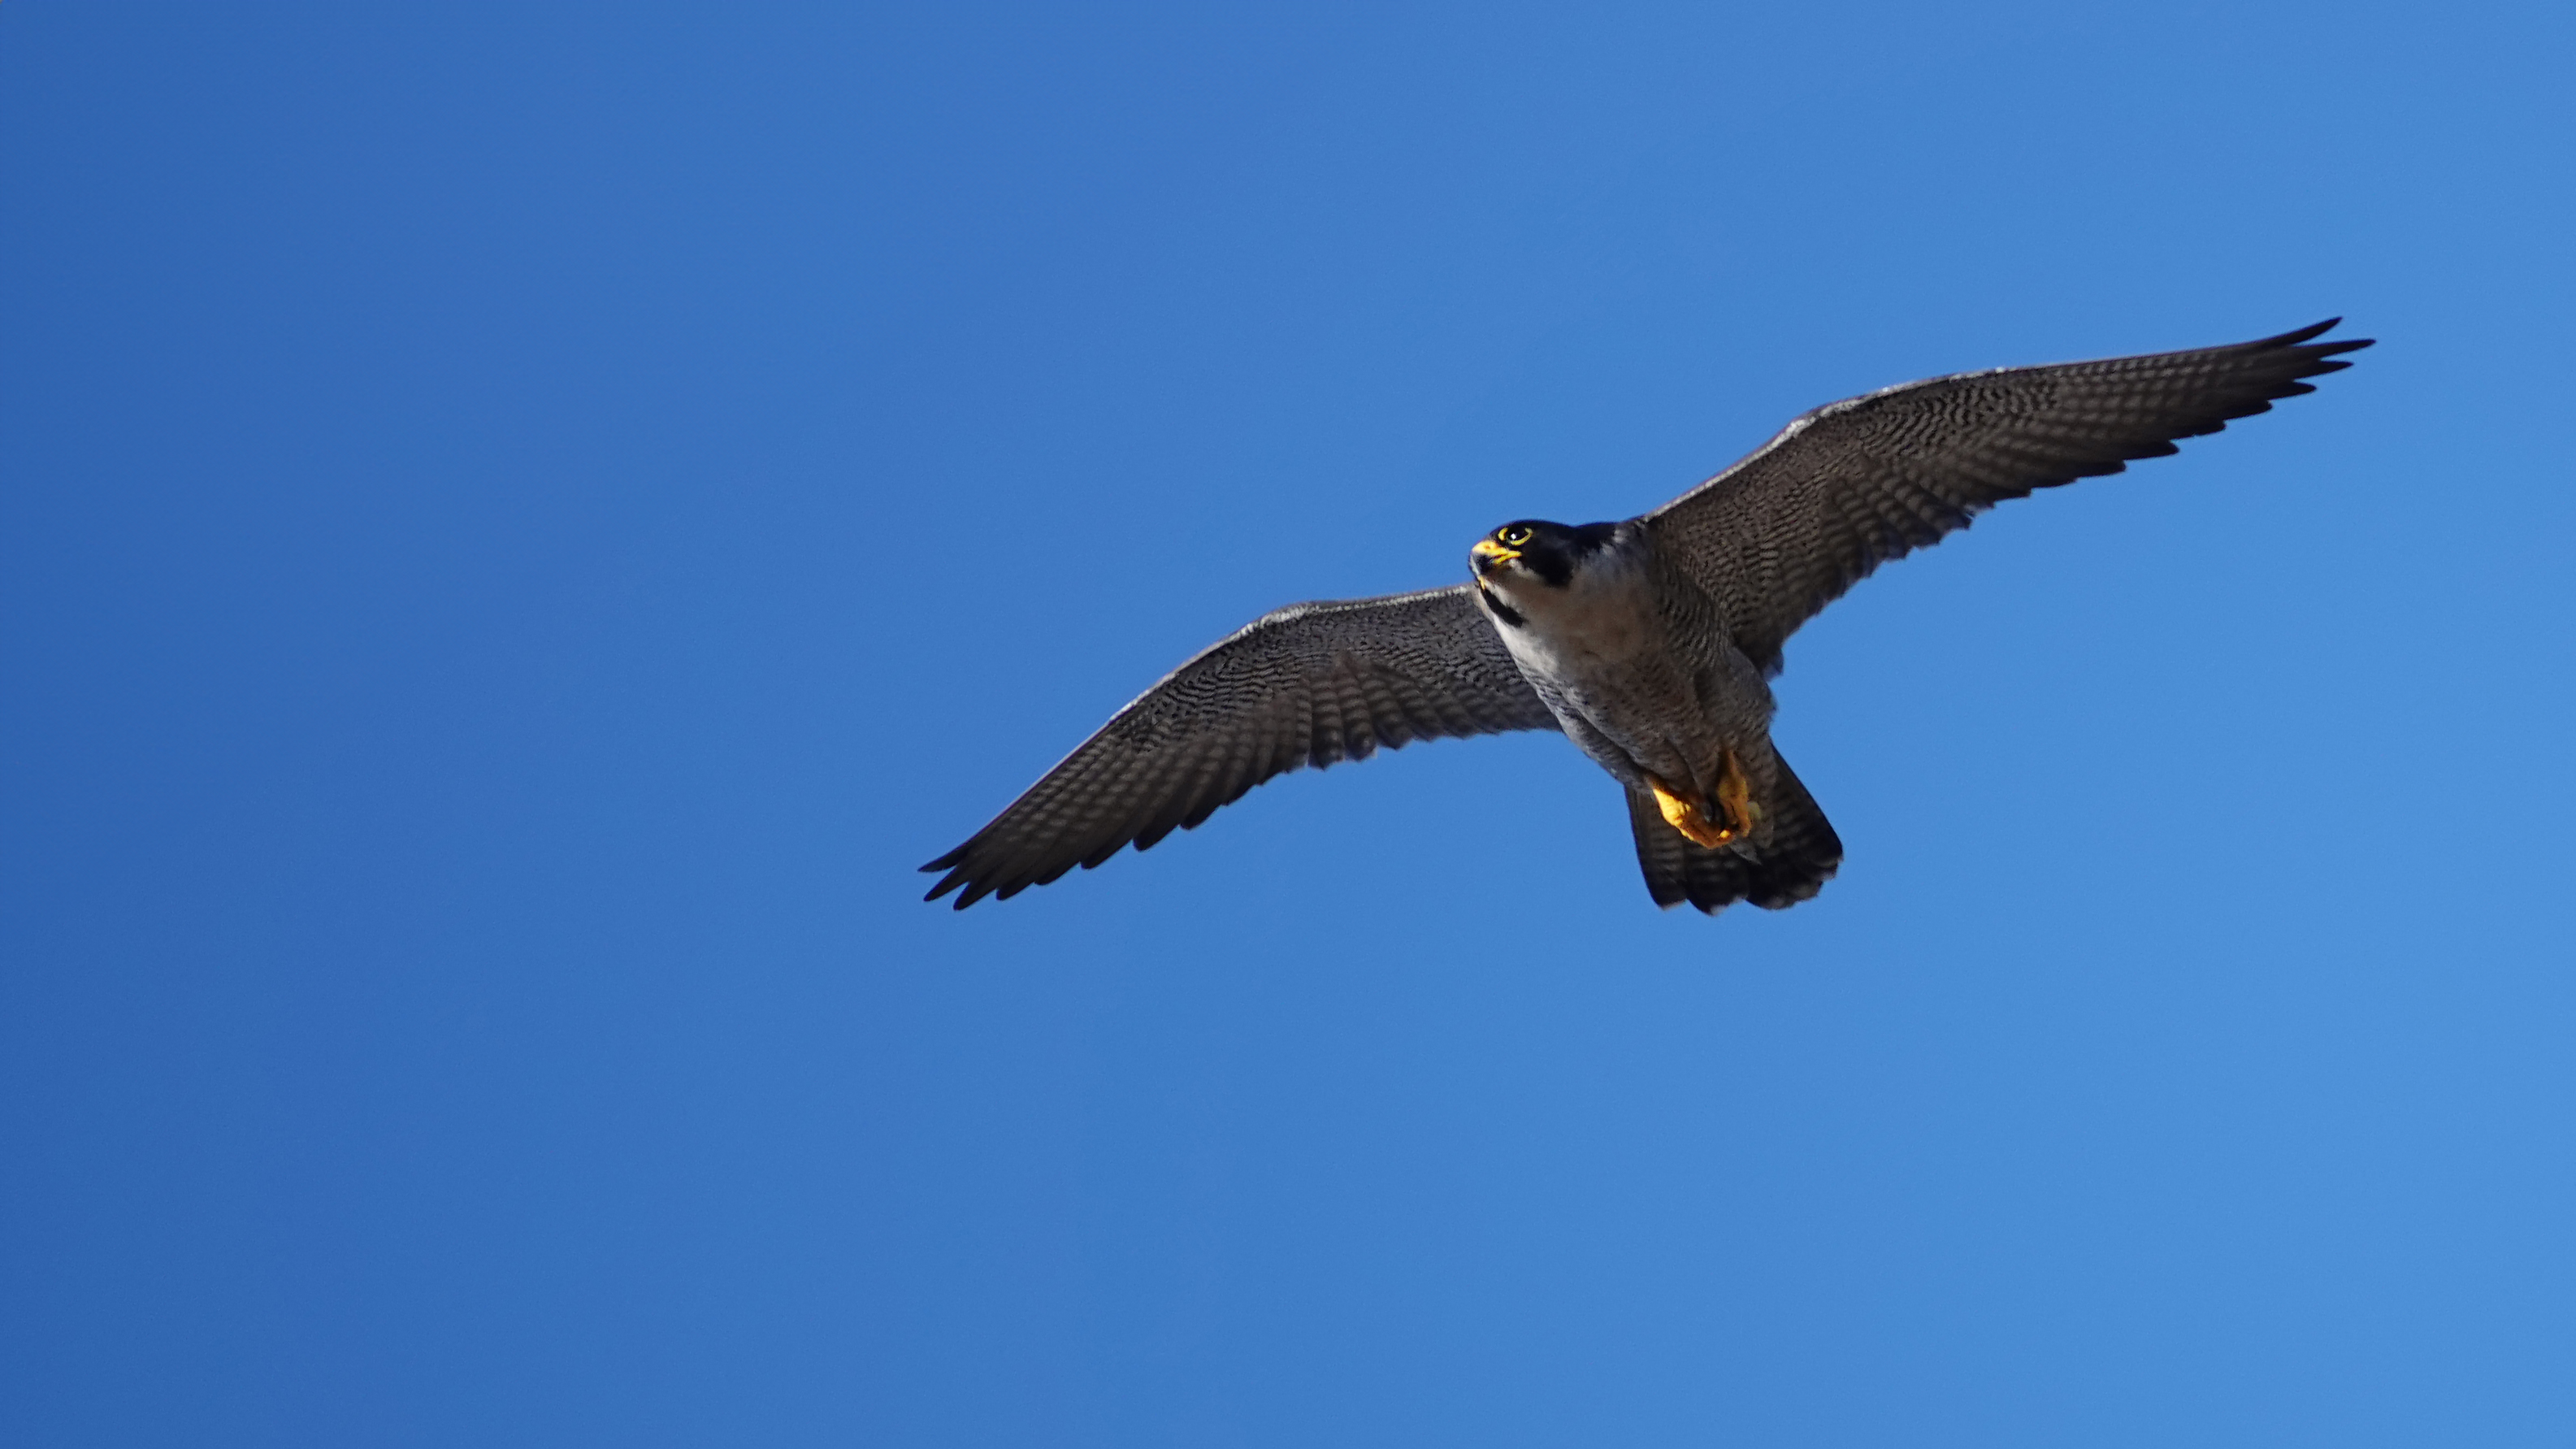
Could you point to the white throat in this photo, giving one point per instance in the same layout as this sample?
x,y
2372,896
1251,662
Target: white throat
x,y
1605,614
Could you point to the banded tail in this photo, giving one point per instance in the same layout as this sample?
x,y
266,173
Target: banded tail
x,y
1798,852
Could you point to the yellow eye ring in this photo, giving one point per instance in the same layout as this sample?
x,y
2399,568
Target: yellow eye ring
x,y
1512,537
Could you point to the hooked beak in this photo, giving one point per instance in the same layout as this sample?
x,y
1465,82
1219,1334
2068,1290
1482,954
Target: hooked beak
x,y
1488,556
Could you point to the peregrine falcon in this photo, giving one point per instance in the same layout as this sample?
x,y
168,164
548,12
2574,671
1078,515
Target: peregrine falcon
x,y
1651,642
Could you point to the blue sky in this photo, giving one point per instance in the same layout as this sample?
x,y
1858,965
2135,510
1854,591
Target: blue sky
x,y
520,527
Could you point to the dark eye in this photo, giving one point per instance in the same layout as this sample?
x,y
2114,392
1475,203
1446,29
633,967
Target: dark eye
x,y
1512,537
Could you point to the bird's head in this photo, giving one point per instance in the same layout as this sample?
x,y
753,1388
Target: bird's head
x,y
1538,565
1533,553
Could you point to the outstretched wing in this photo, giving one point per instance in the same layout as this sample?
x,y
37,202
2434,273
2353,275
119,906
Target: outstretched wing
x,y
1311,684
1851,485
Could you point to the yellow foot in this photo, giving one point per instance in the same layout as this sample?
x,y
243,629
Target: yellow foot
x,y
1736,810
1735,796
1686,816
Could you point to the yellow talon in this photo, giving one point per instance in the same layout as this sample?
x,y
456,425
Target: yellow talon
x,y
1687,817
1734,800
1735,796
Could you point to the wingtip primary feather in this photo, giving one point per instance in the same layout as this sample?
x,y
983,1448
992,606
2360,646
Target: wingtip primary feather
x,y
2299,336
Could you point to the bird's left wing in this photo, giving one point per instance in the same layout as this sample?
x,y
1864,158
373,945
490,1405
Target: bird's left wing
x,y
1847,487
1311,684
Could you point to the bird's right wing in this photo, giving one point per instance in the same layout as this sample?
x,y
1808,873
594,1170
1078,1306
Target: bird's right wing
x,y
1311,684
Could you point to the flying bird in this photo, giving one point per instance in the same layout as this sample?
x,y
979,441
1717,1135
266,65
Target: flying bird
x,y
1650,642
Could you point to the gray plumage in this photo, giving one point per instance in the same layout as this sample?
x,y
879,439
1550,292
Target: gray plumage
x,y
1649,642
1856,483
1311,684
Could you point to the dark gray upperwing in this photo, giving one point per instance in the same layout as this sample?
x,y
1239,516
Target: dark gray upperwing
x,y
1311,684
1851,485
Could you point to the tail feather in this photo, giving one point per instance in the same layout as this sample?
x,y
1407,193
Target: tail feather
x,y
1798,853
